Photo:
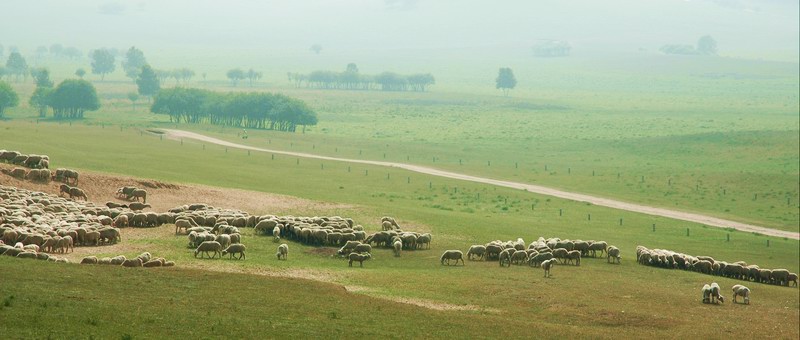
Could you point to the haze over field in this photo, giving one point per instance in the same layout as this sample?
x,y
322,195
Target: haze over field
x,y
743,28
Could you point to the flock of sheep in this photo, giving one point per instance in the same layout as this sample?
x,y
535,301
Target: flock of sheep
x,y
37,223
542,253
143,260
28,161
707,265
711,293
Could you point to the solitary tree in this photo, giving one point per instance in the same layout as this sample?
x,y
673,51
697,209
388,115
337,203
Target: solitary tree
x,y
133,96
147,82
16,65
72,98
707,45
102,62
505,80
235,75
8,98
316,48
80,73
134,60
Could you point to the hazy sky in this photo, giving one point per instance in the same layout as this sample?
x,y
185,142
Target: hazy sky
x,y
764,28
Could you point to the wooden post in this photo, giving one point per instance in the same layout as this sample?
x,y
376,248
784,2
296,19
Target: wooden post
x,y
387,176
204,146
569,171
248,152
408,181
322,166
654,227
348,169
366,172
516,165
767,243
590,217
430,185
560,212
298,161
728,237
620,221
488,163
273,156
384,155
687,231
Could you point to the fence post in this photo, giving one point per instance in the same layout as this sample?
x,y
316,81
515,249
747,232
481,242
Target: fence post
x,y
560,212
687,231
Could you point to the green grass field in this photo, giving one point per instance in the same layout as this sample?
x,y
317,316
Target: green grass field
x,y
726,147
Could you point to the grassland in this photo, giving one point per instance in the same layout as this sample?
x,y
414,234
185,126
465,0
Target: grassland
x,y
694,153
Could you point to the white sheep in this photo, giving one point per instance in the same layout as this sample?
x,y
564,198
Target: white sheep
x,y
235,249
90,260
208,246
715,293
283,251
706,290
448,255
739,290
398,247
613,254
476,251
276,233
358,257
547,265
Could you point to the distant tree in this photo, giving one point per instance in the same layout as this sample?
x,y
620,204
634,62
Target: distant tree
x,y
16,65
8,98
253,75
419,82
41,100
103,62
391,81
80,73
505,80
707,45
185,74
147,82
72,98
163,75
134,60
235,75
42,77
72,53
551,48
316,48
56,50
41,51
133,96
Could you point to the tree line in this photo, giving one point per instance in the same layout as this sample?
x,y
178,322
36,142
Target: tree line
x,y
246,110
351,79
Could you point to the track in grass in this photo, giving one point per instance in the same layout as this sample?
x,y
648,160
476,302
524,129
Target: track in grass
x,y
679,215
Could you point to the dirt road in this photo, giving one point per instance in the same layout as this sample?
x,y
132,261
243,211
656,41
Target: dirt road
x,y
679,215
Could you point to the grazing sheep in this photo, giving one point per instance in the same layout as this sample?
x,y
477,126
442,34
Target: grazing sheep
x,y
781,277
224,240
574,255
90,260
235,249
505,256
70,174
547,265
63,189
138,193
595,246
424,239
706,290
561,254
398,247
448,255
519,257
390,220
283,251
386,225
137,262
715,296
363,248
208,246
121,221
358,257
476,251
739,290
612,254
791,278
536,260
77,192
182,224
235,238
136,206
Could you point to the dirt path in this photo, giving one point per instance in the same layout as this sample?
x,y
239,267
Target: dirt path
x,y
679,215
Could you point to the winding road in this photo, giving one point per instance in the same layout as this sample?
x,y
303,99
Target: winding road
x,y
674,214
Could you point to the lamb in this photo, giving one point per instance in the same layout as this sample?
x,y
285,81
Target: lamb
x,y
235,249
715,293
739,290
89,260
358,257
452,255
398,247
706,290
476,251
208,246
547,265
612,254
283,251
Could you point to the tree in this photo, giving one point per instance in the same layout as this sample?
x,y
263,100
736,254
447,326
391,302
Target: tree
x,y
80,73
8,98
72,98
133,96
505,80
235,75
42,77
16,65
316,48
134,60
41,100
56,49
707,45
102,63
147,82
253,75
